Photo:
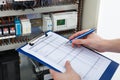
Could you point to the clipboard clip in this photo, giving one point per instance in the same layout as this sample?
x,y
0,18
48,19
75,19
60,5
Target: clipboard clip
x,y
31,43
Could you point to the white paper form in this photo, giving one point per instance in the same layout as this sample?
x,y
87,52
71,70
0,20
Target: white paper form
x,y
53,51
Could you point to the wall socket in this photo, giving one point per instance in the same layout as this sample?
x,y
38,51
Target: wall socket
x,y
2,2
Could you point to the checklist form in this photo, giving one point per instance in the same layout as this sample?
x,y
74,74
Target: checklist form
x,y
53,52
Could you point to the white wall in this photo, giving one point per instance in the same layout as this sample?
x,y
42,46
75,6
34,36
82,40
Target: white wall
x,y
109,19
109,23
103,14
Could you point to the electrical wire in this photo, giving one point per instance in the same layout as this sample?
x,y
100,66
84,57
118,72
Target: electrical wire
x,y
28,4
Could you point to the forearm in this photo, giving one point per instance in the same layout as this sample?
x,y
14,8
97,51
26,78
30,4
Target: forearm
x,y
111,45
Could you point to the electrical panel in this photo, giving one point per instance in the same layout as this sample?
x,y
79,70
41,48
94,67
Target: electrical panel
x,y
64,21
47,23
12,26
19,26
31,4
26,26
61,21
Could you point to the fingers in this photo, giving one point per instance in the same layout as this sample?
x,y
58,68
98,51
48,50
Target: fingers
x,y
68,66
80,41
68,69
78,33
76,45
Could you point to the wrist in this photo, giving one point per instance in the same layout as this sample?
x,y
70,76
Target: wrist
x,y
112,45
103,45
106,46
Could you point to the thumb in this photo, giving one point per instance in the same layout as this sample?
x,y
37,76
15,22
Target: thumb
x,y
80,41
53,73
68,66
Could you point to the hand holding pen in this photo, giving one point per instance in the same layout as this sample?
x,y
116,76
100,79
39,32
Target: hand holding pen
x,y
92,41
81,34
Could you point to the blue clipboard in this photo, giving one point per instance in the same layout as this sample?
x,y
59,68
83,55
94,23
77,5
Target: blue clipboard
x,y
107,75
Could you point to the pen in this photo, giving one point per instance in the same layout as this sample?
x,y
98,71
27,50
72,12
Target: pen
x,y
83,35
